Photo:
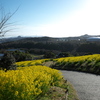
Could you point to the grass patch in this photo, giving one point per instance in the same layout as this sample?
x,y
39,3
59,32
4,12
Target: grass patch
x,y
59,93
72,92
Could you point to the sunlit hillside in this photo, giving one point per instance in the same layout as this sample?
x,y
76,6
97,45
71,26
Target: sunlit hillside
x,y
87,63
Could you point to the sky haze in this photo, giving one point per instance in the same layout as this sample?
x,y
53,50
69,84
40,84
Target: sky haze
x,y
55,18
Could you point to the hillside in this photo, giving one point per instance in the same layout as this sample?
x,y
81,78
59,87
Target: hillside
x,y
41,45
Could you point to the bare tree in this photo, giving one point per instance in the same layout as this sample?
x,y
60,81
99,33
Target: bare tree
x,y
5,24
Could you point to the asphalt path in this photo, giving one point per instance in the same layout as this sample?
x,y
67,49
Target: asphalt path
x,y
86,85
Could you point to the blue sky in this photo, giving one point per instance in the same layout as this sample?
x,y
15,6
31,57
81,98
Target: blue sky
x,y
55,18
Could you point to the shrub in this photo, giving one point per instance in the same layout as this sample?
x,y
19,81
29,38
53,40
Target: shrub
x,y
21,56
49,55
7,62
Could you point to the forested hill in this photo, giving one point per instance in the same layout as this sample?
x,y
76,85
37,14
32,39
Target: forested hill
x,y
72,45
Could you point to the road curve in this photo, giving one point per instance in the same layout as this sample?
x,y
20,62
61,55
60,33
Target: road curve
x,y
86,85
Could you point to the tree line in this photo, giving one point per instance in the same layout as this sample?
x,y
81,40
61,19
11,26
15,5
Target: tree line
x,y
73,47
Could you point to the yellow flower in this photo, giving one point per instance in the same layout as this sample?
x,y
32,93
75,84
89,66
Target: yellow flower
x,y
16,93
28,81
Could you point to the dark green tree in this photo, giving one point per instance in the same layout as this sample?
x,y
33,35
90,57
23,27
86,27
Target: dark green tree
x,y
7,62
64,54
49,55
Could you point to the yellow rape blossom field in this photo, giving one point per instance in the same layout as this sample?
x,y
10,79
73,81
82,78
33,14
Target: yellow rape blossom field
x,y
87,63
32,80
80,58
28,83
30,63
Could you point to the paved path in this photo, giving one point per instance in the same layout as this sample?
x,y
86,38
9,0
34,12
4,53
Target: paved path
x,y
86,85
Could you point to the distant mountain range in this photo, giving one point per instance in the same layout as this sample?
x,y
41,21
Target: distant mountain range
x,y
4,39
45,38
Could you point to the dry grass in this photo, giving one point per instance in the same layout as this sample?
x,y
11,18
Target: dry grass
x,y
64,92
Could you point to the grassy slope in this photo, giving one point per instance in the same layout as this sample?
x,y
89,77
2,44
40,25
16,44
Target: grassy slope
x,y
59,93
88,63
